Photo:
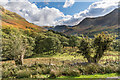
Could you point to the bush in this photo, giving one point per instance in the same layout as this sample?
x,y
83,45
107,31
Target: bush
x,y
55,73
39,70
34,72
6,74
9,71
118,71
91,69
22,67
23,74
46,70
110,69
83,70
71,72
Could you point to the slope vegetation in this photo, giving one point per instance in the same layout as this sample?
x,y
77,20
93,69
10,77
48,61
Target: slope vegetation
x,y
12,19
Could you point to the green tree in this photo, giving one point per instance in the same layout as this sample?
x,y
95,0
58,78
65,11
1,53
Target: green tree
x,y
64,40
102,43
47,44
16,46
97,46
52,44
85,48
39,41
73,41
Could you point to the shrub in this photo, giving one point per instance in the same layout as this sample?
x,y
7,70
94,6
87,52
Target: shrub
x,y
110,69
8,71
83,70
91,69
101,69
46,70
71,72
118,71
23,74
6,74
34,72
39,70
22,67
54,73
34,66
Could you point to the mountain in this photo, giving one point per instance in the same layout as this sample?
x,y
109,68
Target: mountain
x,y
95,25
9,18
89,26
59,28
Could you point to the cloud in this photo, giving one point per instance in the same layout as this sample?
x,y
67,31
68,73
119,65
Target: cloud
x,y
68,3
99,8
51,16
40,16
102,7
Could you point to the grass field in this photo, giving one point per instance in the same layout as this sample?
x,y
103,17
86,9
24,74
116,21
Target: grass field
x,y
64,62
94,76
82,77
59,58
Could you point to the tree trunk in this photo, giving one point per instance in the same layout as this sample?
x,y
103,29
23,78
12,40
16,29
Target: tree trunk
x,y
19,59
16,61
99,55
90,59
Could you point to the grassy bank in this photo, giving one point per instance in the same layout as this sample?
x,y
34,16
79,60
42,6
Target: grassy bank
x,y
94,76
82,77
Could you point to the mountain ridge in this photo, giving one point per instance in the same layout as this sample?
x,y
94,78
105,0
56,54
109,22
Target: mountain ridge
x,y
89,25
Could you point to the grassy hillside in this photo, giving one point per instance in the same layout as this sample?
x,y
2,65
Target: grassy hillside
x,y
12,19
91,26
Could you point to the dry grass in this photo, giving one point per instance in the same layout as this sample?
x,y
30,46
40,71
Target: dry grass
x,y
66,59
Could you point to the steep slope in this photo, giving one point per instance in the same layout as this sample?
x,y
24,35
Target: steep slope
x,y
110,19
91,26
9,18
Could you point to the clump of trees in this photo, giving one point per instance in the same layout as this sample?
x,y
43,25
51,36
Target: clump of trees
x,y
73,41
94,49
48,44
18,44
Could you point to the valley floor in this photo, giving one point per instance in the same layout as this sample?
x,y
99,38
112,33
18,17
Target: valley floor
x,y
64,62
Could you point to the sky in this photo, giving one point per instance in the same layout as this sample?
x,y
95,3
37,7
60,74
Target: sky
x,y
76,8
59,12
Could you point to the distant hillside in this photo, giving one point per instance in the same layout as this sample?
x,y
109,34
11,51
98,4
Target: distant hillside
x,y
92,26
110,19
59,28
12,19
